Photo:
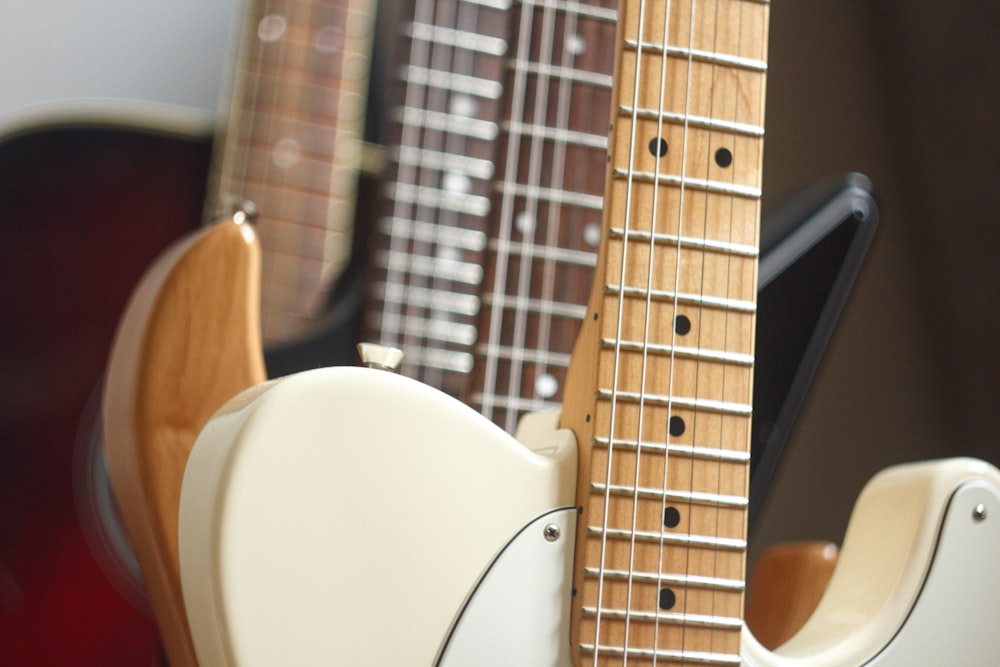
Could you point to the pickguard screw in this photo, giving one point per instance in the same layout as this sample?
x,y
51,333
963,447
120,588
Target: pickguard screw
x,y
551,532
979,513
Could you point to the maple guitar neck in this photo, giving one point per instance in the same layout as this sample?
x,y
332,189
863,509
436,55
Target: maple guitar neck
x,y
659,389
291,150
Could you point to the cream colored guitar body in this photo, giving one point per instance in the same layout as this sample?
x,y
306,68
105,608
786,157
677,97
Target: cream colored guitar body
x,y
351,516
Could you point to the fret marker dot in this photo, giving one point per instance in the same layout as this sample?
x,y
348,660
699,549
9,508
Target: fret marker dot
x,y
546,386
525,222
463,105
667,599
285,153
682,325
676,426
575,45
592,234
658,146
671,517
723,157
329,39
456,182
271,28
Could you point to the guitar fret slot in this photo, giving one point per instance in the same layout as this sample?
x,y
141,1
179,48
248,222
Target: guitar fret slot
x,y
568,137
686,580
736,305
461,39
590,202
673,240
565,73
434,268
688,182
676,618
709,453
421,195
414,156
696,497
445,122
743,129
710,57
452,82
723,407
578,8
685,657
683,352
669,538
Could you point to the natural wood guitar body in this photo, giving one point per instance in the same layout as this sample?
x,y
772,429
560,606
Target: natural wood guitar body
x,y
189,341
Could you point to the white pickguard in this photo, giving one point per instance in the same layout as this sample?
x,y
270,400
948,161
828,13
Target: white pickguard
x,y
157,63
352,516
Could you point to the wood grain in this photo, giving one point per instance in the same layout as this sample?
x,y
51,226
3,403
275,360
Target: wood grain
x,y
189,340
785,586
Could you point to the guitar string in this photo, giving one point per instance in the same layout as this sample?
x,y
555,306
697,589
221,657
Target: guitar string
x,y
556,215
505,231
620,315
673,327
531,204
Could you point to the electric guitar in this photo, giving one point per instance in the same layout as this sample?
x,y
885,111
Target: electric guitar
x,y
290,159
321,509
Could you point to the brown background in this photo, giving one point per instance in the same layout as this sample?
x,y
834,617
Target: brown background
x,y
908,93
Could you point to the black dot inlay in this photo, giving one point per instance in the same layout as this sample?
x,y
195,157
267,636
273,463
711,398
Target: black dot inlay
x,y
723,157
658,146
671,517
667,599
676,426
682,325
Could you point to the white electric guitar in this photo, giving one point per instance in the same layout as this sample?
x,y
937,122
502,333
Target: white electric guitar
x,y
352,516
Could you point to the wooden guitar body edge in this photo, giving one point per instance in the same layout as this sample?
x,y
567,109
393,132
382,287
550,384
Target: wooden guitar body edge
x,y
189,339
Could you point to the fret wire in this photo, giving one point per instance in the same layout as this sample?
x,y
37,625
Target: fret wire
x,y
686,580
590,202
696,497
695,620
695,452
682,539
581,258
576,8
700,122
516,404
735,305
451,361
708,405
734,358
524,304
738,249
416,156
536,356
447,122
439,330
462,39
704,184
459,238
462,83
502,5
568,137
682,656
433,267
429,298
435,198
709,57
564,73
